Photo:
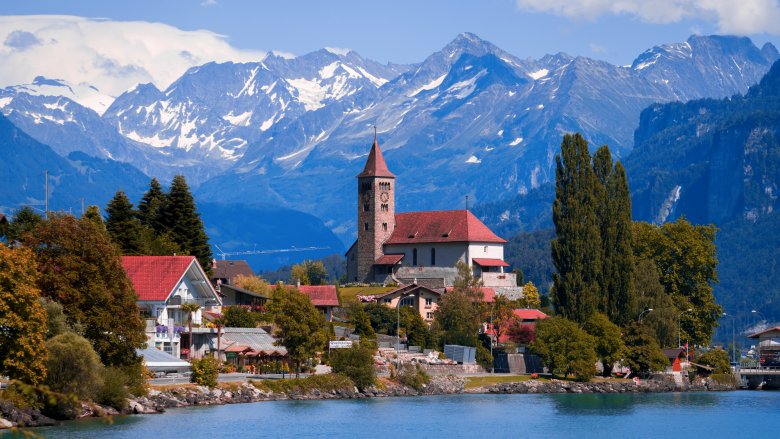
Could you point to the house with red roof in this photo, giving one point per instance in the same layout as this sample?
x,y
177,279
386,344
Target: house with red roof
x,y
163,284
323,297
418,247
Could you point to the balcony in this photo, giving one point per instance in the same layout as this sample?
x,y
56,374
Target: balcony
x,y
499,279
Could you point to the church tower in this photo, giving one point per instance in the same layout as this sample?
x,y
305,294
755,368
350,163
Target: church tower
x,y
376,211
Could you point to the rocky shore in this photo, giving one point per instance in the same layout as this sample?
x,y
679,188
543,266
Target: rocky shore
x,y
157,401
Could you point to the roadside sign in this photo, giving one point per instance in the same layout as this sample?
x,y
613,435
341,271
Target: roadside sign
x,y
341,344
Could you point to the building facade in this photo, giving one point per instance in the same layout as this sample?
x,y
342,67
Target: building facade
x,y
417,247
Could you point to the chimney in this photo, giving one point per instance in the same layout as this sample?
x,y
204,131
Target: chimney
x,y
298,283
214,263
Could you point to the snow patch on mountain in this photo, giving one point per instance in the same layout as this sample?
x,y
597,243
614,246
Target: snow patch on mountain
x,y
539,74
429,86
473,159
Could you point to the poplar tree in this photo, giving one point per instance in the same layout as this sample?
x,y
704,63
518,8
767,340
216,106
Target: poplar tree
x,y
619,272
576,250
123,226
179,217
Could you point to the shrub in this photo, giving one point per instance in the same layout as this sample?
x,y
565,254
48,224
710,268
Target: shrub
x,y
718,359
357,363
324,383
484,357
413,375
74,366
114,392
205,371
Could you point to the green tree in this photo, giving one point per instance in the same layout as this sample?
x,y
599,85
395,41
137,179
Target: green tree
x,y
22,318
252,283
123,226
502,314
190,308
24,221
417,332
565,348
383,319
56,321
643,355
219,323
687,261
93,214
357,363
240,317
179,217
81,269
74,367
718,359
459,315
576,250
662,321
618,289
309,273
519,277
205,371
609,341
301,327
362,322
149,207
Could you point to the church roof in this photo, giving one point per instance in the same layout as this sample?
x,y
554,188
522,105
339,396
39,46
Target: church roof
x,y
440,226
375,165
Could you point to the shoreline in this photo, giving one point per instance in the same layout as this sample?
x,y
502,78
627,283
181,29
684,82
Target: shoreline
x,y
188,395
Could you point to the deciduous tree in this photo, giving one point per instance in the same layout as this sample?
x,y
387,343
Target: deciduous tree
x,y
577,249
530,297
565,348
22,318
301,327
74,367
609,341
642,352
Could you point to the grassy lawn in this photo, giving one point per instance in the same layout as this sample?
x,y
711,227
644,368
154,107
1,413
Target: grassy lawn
x,y
472,382
348,294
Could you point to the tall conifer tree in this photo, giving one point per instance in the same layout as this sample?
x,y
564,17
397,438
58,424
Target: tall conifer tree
x,y
621,286
179,217
123,226
576,251
149,206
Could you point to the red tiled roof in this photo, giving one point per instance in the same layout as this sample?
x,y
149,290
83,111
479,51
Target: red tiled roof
x,y
389,259
440,226
485,262
529,314
154,277
757,334
375,165
320,295
488,294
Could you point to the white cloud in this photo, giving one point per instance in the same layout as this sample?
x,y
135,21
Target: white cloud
x,y
343,51
111,55
731,16
597,48
206,3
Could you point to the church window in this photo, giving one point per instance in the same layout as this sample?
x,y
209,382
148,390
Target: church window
x,y
385,207
365,207
384,226
433,256
365,226
414,257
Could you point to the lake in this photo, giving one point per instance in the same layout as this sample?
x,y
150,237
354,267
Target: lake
x,y
711,415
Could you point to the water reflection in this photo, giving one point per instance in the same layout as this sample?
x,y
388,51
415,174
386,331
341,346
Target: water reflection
x,y
626,403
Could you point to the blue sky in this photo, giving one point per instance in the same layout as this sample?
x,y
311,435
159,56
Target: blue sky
x,y
407,31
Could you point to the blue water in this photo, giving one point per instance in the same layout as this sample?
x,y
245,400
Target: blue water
x,y
671,415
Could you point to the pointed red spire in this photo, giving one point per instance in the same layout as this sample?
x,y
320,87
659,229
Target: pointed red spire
x,y
375,165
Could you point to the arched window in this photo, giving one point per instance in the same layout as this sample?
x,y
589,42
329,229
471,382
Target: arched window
x,y
414,257
433,257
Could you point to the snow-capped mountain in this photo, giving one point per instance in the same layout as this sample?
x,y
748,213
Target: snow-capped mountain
x,y
83,94
213,111
471,119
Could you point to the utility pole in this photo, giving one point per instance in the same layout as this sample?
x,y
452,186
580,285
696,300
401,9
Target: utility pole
x,y
82,206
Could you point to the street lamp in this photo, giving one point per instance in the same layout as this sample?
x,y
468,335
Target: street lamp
x,y
646,310
758,352
679,325
733,338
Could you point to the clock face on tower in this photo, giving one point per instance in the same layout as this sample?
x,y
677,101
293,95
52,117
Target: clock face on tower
x,y
384,196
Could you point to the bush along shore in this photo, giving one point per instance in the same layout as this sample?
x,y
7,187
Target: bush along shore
x,y
334,386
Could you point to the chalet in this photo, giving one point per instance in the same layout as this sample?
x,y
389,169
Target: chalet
x,y
423,299
417,246
163,284
226,272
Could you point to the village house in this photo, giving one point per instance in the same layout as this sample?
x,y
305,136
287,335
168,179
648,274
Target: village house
x,y
163,284
418,247
324,297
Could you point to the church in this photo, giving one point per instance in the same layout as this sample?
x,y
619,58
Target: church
x,y
418,247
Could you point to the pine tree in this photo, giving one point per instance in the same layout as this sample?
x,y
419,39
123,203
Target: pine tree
x,y
576,250
93,214
123,226
149,206
179,217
